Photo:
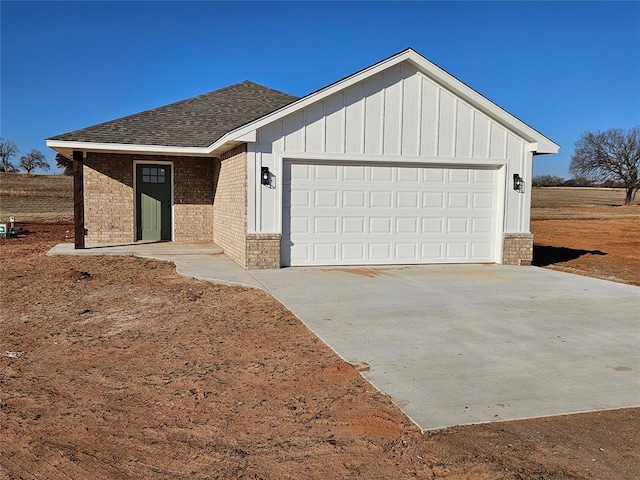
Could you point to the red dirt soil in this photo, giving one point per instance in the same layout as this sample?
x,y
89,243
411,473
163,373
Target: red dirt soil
x,y
122,369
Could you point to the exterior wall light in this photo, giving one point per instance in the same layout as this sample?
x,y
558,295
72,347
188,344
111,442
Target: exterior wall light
x,y
518,183
264,176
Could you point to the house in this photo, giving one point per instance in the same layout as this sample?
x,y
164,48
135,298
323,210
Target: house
x,y
399,163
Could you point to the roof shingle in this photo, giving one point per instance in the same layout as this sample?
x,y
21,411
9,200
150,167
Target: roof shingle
x,y
195,122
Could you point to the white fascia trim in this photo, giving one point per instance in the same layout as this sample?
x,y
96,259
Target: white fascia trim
x,y
129,148
429,69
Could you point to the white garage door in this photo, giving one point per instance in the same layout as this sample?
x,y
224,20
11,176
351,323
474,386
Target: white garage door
x,y
344,214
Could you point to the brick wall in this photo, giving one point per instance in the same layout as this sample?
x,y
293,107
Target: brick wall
x,y
193,193
517,249
263,250
230,204
109,197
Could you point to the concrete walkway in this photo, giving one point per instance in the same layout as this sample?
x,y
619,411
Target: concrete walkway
x,y
205,261
454,344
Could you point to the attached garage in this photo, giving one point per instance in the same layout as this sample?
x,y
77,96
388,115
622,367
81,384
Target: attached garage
x,y
399,163
373,214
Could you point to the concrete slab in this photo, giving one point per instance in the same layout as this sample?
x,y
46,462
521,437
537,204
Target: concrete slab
x,y
461,344
204,261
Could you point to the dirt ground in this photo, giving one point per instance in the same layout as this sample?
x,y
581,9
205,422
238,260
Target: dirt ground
x,y
118,368
588,232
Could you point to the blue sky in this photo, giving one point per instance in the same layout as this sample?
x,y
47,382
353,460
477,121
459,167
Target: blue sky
x,y
561,67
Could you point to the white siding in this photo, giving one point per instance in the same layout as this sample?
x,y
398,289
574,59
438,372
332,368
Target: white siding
x,y
399,112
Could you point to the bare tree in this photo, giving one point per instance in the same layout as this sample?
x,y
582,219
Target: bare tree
x,y
611,155
32,160
8,149
64,163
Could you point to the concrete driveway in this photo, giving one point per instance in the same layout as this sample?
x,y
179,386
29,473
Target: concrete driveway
x,y
473,343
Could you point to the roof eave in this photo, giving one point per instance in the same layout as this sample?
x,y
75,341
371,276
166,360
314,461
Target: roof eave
x,y
66,147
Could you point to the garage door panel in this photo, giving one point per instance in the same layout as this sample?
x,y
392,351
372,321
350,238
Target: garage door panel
x,y
406,251
483,177
458,175
480,250
326,172
457,250
354,252
297,171
433,176
324,225
354,199
383,214
380,225
407,225
300,198
457,225
482,225
409,175
432,225
354,173
381,199
380,251
458,200
483,200
431,252
381,174
300,225
433,199
354,226
325,198
325,252
407,199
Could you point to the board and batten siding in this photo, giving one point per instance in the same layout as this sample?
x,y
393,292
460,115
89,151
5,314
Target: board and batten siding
x,y
400,113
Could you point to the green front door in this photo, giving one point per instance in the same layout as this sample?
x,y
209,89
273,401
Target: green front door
x,y
153,192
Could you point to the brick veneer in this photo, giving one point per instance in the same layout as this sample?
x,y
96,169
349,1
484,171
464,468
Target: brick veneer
x,y
517,249
109,197
263,250
253,250
193,193
230,204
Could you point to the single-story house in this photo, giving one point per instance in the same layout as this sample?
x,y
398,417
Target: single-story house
x,y
399,163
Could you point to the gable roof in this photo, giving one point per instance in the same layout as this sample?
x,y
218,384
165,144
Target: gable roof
x,y
242,125
195,122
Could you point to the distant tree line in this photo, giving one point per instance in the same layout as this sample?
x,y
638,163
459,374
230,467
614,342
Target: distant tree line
x,y
556,181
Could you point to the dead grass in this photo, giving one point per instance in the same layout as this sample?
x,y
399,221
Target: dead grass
x,y
28,198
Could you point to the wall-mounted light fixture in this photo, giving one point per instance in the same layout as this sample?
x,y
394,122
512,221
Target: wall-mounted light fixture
x,y
518,183
264,176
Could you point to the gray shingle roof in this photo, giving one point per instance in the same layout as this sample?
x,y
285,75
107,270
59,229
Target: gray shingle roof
x,y
195,122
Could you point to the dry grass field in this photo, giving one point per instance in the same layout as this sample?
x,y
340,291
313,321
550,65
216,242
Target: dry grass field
x,y
45,198
119,368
